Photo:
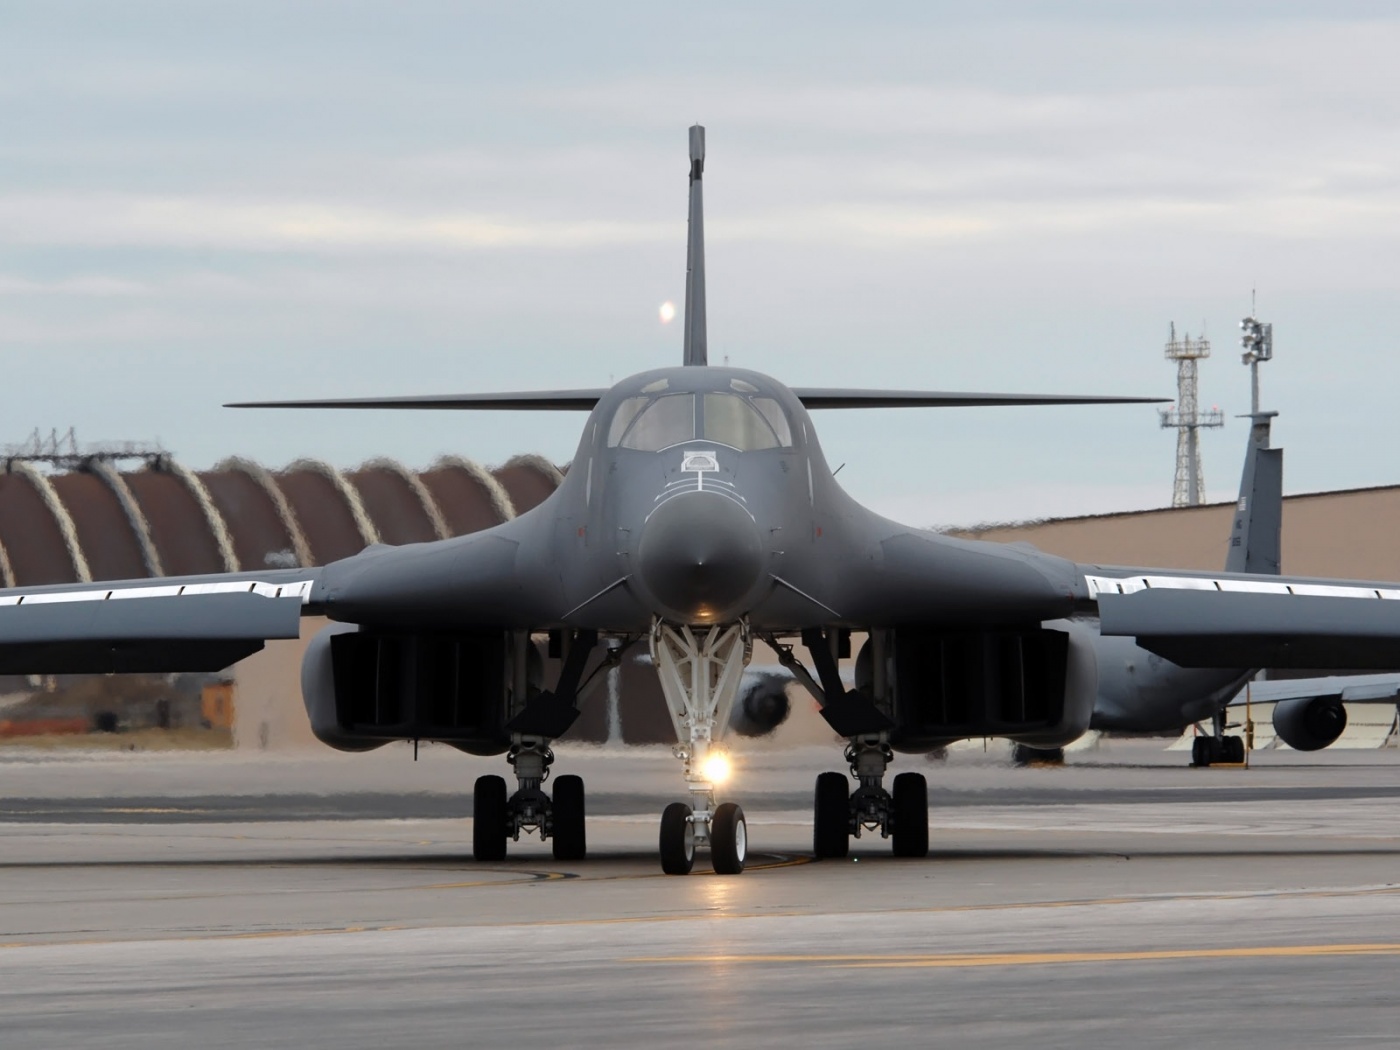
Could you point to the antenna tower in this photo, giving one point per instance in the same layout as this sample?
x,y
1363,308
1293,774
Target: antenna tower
x,y
1257,338
1186,418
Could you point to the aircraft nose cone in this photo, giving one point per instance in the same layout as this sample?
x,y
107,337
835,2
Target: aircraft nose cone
x,y
699,554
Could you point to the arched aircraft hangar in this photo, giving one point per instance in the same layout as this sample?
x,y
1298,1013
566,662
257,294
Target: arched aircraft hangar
x,y
96,522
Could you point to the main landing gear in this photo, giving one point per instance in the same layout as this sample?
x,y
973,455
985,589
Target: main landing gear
x,y
548,714
700,671
901,815
1218,749
498,818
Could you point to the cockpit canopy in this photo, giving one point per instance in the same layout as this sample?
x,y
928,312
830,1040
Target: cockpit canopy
x,y
740,417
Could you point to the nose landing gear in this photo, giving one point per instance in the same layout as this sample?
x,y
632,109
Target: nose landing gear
x,y
700,671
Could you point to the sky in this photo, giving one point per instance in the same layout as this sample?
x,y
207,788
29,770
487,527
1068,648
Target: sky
x,y
210,202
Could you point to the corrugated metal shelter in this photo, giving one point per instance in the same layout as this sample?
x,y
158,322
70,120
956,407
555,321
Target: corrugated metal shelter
x,y
100,524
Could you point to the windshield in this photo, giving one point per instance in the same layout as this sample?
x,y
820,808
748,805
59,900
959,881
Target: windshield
x,y
737,422
650,424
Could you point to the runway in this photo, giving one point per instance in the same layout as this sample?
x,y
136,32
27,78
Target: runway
x,y
156,901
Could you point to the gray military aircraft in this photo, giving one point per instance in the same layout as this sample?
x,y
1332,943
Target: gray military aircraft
x,y
1141,692
698,516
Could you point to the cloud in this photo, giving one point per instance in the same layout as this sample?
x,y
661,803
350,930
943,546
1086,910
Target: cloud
x,y
116,219
92,286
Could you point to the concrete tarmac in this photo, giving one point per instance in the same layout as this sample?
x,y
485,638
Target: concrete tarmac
x,y
229,900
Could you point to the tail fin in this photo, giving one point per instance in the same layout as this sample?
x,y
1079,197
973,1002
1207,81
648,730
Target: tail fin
x,y
695,346
1256,538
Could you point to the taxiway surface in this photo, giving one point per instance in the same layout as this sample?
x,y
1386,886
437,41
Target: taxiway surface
x,y
228,900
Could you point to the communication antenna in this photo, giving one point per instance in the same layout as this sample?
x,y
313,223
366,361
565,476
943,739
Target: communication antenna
x,y
1186,418
1257,338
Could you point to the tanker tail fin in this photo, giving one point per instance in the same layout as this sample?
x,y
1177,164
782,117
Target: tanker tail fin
x,y
1256,538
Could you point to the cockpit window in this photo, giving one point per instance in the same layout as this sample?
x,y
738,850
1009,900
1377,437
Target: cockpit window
x,y
737,422
626,412
649,425
776,418
749,424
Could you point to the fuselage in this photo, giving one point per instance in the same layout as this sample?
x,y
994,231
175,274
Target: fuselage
x,y
700,495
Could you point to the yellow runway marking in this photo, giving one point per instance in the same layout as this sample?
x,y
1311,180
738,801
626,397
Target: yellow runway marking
x,y
959,960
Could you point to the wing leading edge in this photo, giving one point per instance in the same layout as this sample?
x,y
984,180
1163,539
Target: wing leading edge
x,y
584,400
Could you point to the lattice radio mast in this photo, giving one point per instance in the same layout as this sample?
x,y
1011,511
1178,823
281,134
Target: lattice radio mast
x,y
1186,418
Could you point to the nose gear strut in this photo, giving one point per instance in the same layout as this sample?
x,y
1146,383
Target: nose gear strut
x,y
701,669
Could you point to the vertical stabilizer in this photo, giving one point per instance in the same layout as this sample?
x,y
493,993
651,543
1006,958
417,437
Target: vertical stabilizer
x,y
695,348
1256,538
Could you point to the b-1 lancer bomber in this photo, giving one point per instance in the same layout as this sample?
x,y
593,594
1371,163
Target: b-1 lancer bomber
x,y
697,517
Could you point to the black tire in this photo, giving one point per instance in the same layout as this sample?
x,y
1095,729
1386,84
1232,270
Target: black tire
x,y
831,824
569,835
1234,749
1202,751
909,836
489,813
677,840
729,839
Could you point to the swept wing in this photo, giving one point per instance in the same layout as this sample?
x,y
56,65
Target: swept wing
x,y
189,623
1235,620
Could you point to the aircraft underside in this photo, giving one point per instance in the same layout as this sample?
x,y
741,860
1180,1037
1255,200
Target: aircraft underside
x,y
484,693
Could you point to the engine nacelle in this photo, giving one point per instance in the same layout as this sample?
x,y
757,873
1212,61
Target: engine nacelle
x,y
365,688
762,704
1310,723
1032,686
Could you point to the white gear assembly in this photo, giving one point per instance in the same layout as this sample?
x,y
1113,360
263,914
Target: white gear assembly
x,y
700,670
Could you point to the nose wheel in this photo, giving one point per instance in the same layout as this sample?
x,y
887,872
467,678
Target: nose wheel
x,y
677,839
728,836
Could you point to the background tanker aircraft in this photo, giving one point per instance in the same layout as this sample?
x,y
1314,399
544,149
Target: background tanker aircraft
x,y
1142,692
698,516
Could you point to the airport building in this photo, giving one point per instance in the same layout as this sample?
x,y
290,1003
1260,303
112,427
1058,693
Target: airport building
x,y
1349,533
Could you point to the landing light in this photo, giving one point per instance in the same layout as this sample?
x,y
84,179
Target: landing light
x,y
717,768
